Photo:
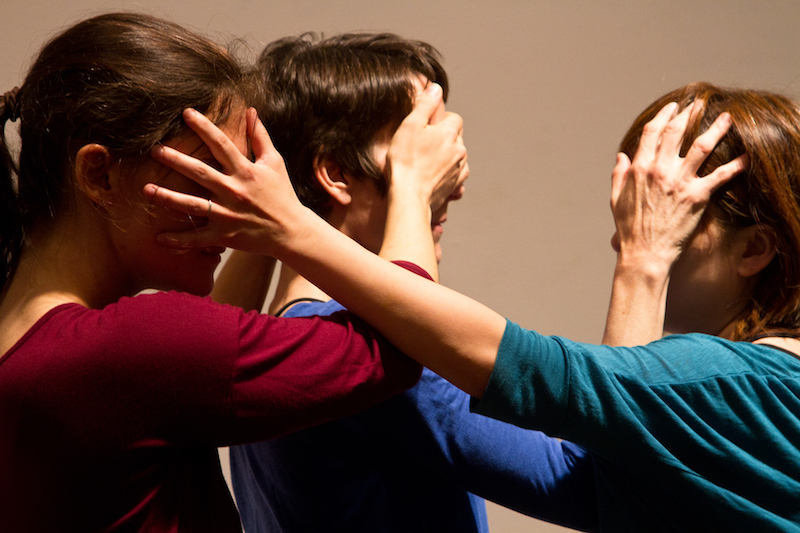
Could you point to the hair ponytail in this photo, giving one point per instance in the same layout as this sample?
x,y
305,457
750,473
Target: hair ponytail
x,y
10,216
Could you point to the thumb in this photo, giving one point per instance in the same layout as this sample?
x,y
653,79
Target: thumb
x,y
261,143
619,176
427,104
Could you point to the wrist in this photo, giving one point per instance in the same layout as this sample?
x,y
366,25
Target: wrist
x,y
409,196
638,301
651,269
298,233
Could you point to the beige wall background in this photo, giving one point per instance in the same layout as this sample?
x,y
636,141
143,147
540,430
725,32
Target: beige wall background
x,y
546,89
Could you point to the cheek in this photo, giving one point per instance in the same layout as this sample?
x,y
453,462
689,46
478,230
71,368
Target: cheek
x,y
167,220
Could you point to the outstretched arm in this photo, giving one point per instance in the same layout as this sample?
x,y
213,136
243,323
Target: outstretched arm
x,y
657,201
255,209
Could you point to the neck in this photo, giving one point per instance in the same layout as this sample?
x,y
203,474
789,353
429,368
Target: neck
x,y
292,286
55,267
61,264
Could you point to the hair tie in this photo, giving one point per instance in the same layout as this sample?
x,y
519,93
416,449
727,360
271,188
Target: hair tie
x,y
10,109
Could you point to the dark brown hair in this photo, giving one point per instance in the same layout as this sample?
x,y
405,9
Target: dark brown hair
x,y
120,80
766,127
330,98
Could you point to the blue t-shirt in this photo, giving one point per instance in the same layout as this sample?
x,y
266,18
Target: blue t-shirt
x,y
689,433
408,464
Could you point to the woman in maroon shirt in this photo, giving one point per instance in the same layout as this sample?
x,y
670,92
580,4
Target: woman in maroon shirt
x,y
112,406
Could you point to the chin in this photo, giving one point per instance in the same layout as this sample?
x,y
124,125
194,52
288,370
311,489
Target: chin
x,y
200,284
196,281
195,274
203,289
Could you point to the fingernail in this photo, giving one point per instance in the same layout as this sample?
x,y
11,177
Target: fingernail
x,y
433,89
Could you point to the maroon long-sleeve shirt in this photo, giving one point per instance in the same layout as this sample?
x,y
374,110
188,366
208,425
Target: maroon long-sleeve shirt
x,y
110,419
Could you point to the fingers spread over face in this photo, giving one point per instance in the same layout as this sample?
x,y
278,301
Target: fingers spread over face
x,y
187,165
185,203
222,148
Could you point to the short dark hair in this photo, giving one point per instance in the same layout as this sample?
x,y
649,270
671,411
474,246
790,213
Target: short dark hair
x,y
330,98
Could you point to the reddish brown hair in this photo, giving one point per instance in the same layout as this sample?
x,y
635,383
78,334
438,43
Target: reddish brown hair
x,y
766,127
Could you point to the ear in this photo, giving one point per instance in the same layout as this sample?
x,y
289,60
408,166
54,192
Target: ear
x,y
760,247
335,182
92,165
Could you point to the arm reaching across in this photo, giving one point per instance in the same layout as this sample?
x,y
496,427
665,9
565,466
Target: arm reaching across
x,y
658,201
254,208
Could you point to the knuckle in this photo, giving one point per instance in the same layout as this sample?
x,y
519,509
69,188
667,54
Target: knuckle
x,y
660,170
703,144
673,127
638,168
201,172
650,128
219,138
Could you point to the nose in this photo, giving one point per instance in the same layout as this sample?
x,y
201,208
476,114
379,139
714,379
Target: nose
x,y
457,194
462,178
615,242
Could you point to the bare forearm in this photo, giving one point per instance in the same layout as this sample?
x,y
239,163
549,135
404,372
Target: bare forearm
x,y
407,234
451,334
244,280
638,302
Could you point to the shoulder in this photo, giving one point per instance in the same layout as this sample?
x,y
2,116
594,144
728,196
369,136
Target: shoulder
x,y
170,304
162,349
169,314
148,325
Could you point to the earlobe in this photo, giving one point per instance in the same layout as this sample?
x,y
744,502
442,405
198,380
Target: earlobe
x,y
335,182
92,165
759,251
